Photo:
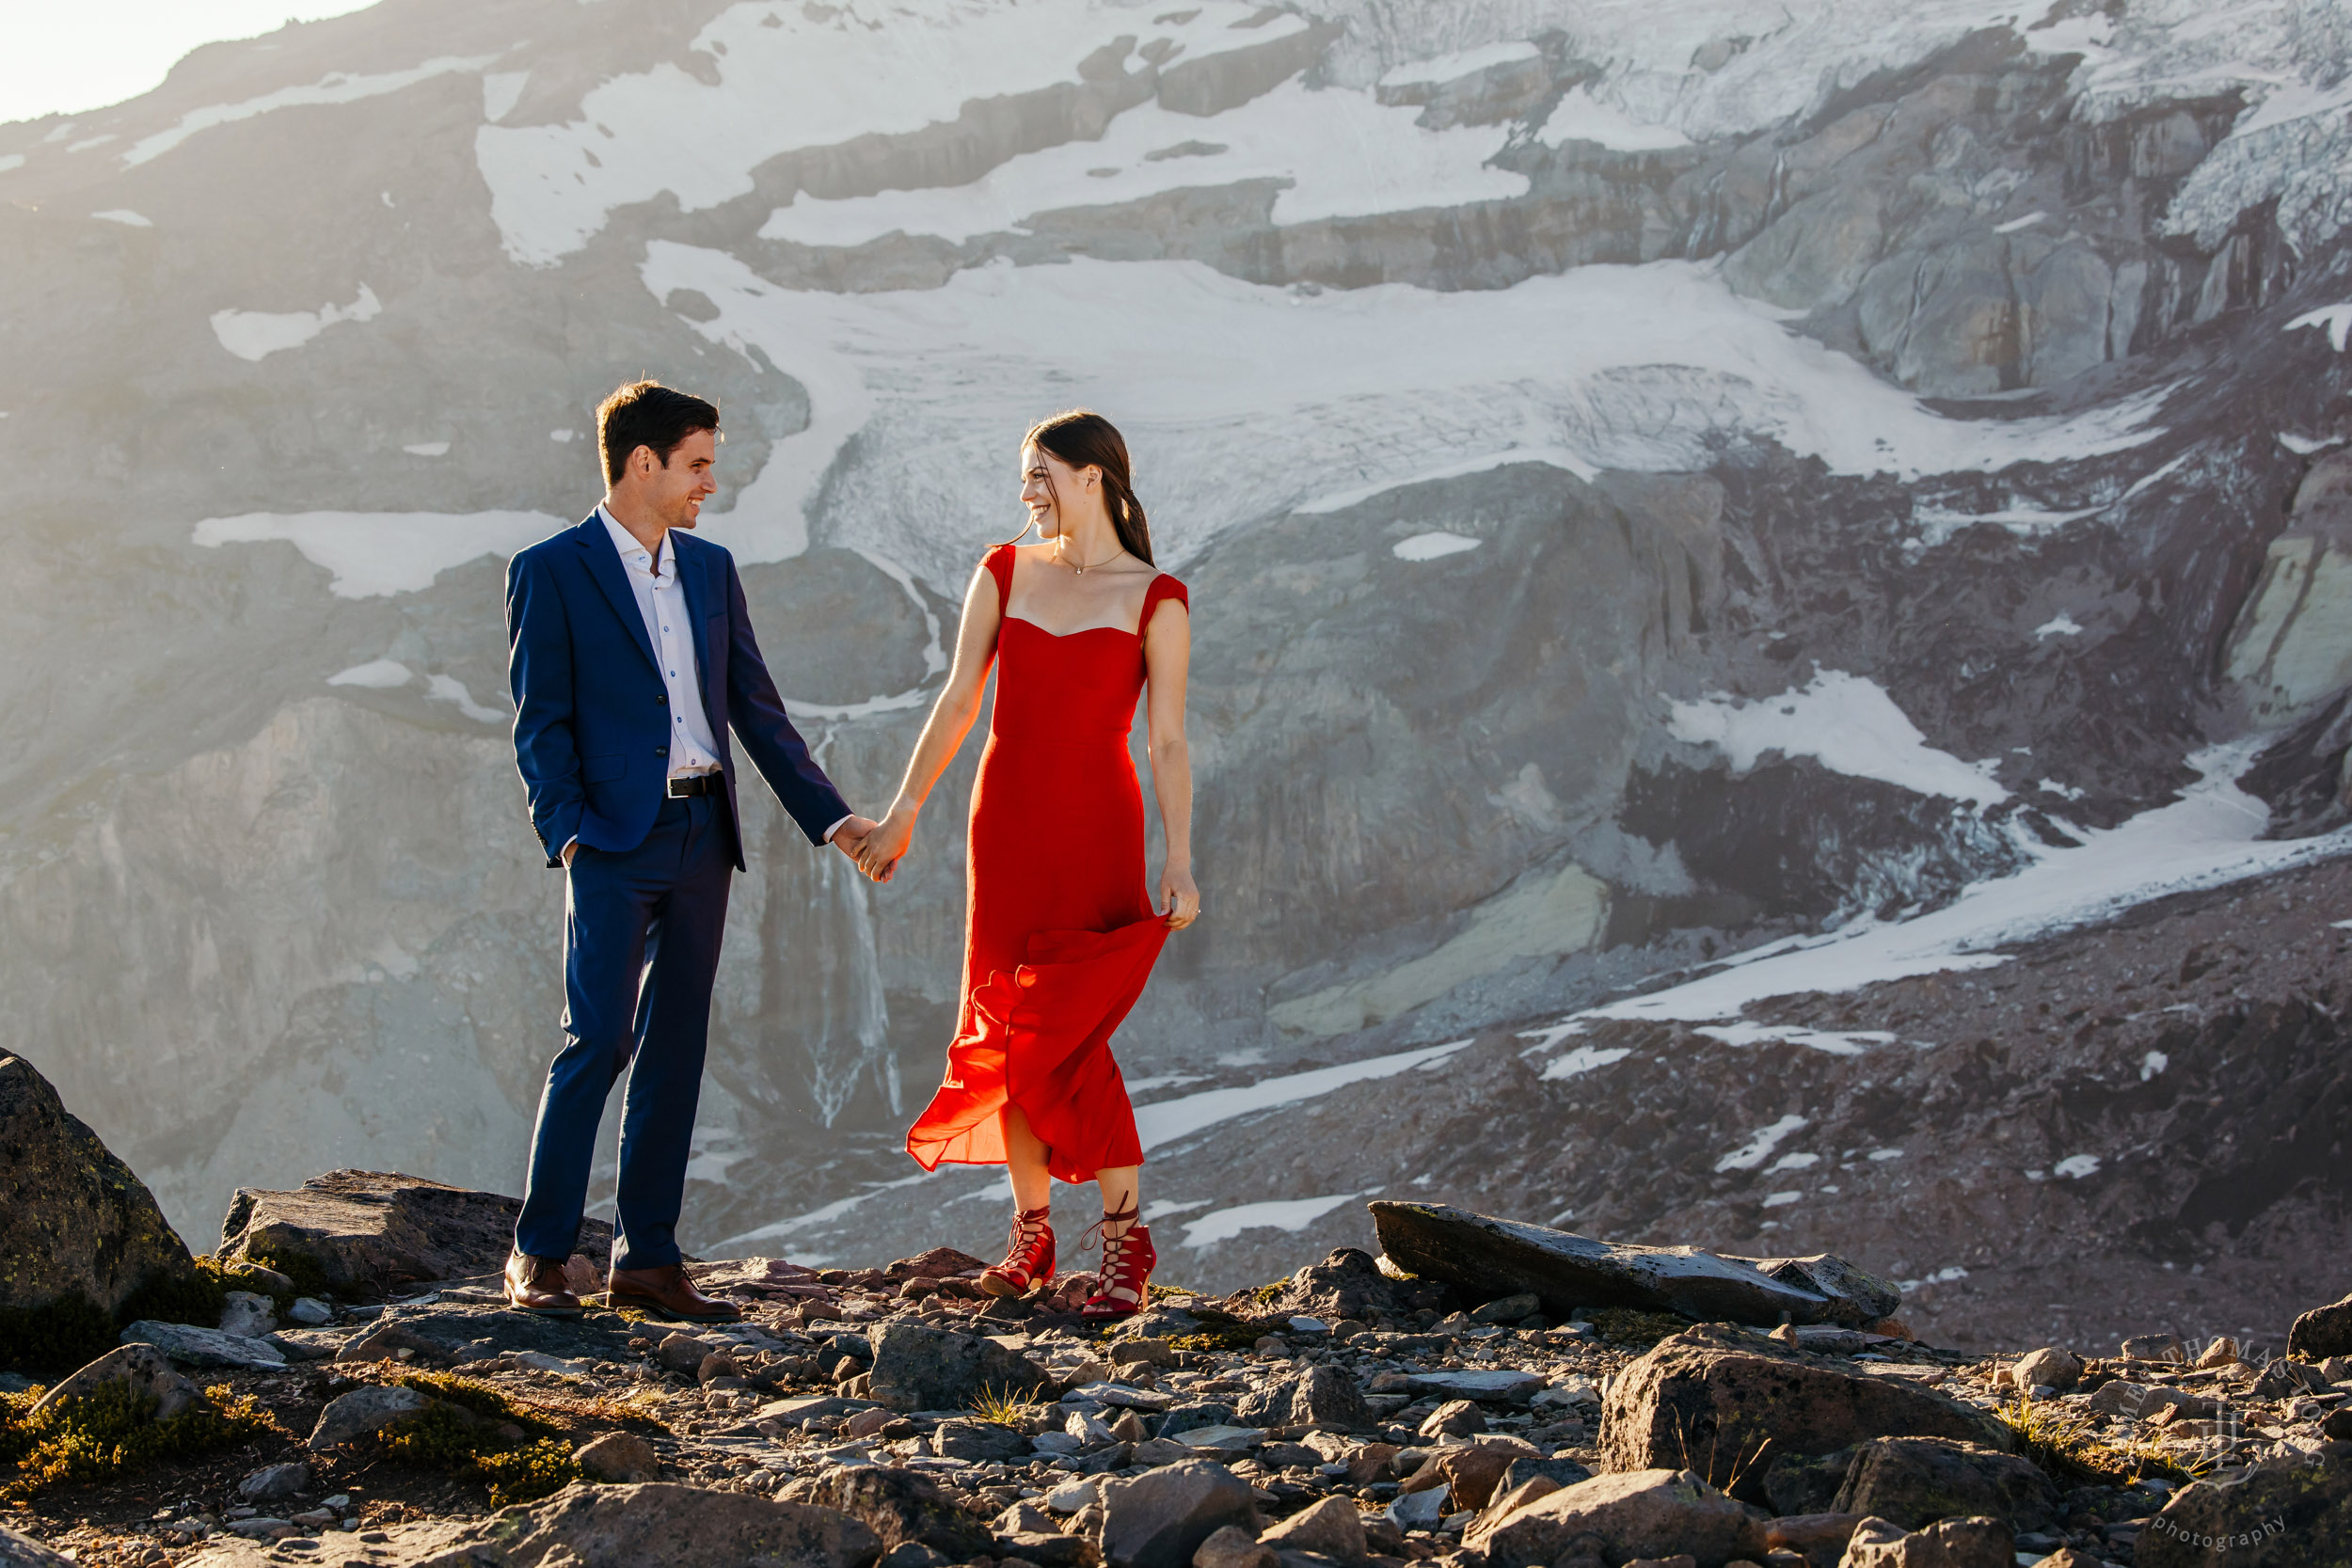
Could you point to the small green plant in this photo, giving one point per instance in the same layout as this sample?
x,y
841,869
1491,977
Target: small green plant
x,y
2061,1441
465,1443
113,1431
1002,1407
1215,1337
307,1276
477,1397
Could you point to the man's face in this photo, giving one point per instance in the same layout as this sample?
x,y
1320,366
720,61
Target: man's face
x,y
675,492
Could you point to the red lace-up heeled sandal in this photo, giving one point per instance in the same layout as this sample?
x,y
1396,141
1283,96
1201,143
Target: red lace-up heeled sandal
x,y
1127,1263
1029,1255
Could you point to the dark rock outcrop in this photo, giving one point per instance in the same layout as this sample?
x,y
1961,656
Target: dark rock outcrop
x,y
1486,1258
367,1231
1917,1480
899,1506
2277,1516
75,1223
1643,1513
917,1367
2322,1331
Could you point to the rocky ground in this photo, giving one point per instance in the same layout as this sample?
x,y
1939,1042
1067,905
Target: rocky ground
x,y
1357,1414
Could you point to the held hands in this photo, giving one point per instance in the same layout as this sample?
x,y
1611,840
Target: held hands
x,y
1179,900
850,836
879,850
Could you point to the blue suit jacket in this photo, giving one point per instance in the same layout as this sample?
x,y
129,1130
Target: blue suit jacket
x,y
591,719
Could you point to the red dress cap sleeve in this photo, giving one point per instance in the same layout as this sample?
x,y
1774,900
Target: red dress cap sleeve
x,y
1164,586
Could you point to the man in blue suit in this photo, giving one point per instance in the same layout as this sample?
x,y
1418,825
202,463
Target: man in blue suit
x,y
631,658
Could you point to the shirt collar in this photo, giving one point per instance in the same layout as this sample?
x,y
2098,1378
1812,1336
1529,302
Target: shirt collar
x,y
626,542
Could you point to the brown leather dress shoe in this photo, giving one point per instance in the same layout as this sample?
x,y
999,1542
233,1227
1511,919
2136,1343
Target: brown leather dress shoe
x,y
537,1285
667,1293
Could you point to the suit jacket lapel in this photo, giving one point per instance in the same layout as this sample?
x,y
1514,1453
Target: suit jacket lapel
x,y
604,564
698,595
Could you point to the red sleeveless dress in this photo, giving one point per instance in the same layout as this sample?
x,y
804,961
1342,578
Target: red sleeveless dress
x,y
1059,933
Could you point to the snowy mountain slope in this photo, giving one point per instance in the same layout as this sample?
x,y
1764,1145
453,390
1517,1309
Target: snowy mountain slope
x,y
1651,486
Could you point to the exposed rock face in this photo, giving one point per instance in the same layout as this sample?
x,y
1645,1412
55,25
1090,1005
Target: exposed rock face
x,y
1917,1480
74,1220
1697,1396
1160,1519
369,1230
1972,1542
2281,1515
899,1506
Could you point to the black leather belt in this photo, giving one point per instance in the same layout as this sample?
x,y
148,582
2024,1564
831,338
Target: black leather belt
x,y
698,783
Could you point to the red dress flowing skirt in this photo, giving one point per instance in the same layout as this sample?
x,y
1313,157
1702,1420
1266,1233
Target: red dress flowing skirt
x,y
1061,938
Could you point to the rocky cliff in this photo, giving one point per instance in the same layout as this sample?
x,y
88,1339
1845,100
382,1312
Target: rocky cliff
x,y
1654,485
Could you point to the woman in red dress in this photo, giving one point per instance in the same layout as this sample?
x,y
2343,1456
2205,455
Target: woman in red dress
x,y
1061,932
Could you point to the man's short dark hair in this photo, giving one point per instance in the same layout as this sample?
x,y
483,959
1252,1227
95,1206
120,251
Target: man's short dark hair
x,y
647,414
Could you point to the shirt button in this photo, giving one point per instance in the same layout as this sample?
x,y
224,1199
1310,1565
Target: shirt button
x,y
661,751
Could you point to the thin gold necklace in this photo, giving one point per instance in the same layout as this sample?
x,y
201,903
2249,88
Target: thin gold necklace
x,y
1090,566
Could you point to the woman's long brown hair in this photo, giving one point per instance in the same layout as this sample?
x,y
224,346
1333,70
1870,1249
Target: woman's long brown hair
x,y
1080,437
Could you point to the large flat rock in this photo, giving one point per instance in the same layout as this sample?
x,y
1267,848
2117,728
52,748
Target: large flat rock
x,y
369,1231
74,1220
611,1526
1484,1258
1719,1403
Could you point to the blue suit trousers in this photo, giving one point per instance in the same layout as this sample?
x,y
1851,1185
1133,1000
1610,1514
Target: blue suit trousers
x,y
641,933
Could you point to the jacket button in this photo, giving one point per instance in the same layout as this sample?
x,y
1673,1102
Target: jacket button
x,y
661,751
663,699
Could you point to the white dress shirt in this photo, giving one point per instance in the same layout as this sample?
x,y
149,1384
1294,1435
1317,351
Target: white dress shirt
x,y
661,599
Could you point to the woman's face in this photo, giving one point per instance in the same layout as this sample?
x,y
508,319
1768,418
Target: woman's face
x,y
1045,477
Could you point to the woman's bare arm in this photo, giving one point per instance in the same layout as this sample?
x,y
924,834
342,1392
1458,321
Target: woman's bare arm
x,y
958,706
1167,658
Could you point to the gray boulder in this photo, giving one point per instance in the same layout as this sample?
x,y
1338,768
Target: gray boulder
x,y
276,1482
1635,1514
360,1412
143,1369
917,1367
2275,1516
978,1441
1331,1528
248,1315
1231,1547
1732,1399
203,1347
23,1551
1322,1397
1917,1480
1161,1518
901,1506
1950,1543
369,1230
74,1221
2048,1367
618,1457
1484,1257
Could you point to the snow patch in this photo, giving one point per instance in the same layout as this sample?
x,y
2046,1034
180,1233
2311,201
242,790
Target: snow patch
x,y
1452,67
1584,1058
447,688
501,91
2208,838
1432,547
128,218
1851,1043
2152,1064
1847,723
380,674
1339,154
1581,116
2013,225
1754,1152
377,553
1171,1120
427,449
1557,457
11,160
257,334
2337,319
2076,1166
1781,1200
336,86
806,76
1280,1215
2060,624
1649,368
1793,1161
